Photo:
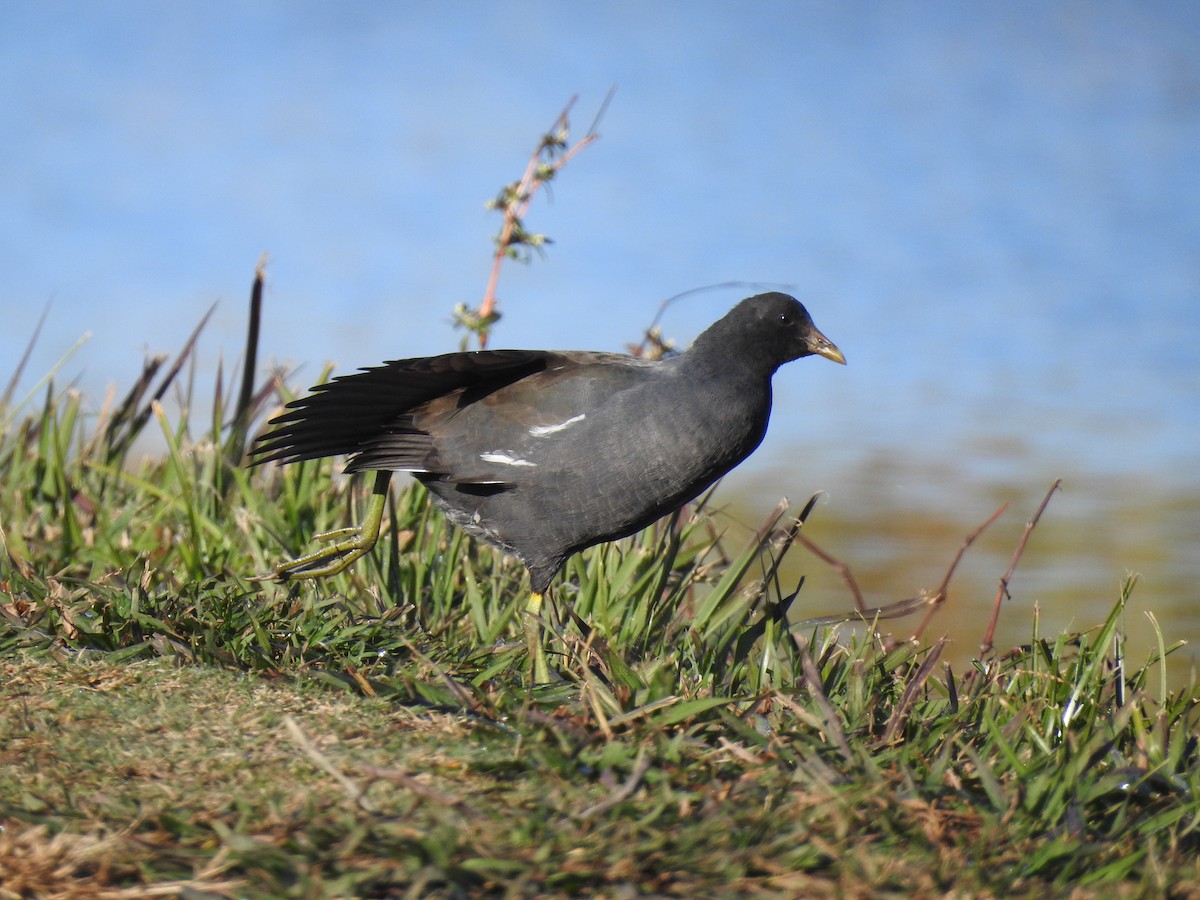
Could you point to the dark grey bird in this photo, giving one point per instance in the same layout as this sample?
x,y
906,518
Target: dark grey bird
x,y
544,453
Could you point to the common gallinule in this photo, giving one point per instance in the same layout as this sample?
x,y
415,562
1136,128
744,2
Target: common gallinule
x,y
543,453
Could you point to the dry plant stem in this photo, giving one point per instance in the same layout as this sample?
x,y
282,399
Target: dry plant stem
x,y
841,568
1002,592
900,607
939,596
535,176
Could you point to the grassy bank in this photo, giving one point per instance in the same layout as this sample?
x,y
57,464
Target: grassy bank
x,y
170,726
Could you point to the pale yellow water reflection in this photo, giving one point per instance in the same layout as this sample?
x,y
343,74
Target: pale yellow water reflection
x,y
899,525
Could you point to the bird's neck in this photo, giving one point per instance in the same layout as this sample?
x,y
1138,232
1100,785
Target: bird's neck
x,y
725,369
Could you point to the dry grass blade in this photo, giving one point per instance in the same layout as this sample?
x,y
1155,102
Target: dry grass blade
x,y
118,431
353,791
235,447
415,786
829,716
789,537
128,422
640,767
11,388
911,691
36,863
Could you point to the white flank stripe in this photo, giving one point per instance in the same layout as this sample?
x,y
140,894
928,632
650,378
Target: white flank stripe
x,y
543,430
504,459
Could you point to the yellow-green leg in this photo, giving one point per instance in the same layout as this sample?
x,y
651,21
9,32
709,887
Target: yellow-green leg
x,y
533,637
351,543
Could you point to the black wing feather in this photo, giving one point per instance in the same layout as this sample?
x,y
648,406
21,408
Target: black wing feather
x,y
345,415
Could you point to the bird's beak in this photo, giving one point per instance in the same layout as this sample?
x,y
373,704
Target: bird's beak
x,y
823,346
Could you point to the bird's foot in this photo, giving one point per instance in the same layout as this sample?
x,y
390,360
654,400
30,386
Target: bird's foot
x,y
344,545
351,544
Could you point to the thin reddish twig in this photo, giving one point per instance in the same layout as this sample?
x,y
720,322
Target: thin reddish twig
x,y
939,596
1002,592
537,173
900,607
838,566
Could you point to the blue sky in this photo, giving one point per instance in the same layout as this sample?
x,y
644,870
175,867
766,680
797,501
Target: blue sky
x,y
991,208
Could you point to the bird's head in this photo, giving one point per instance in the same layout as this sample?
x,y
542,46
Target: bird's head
x,y
770,328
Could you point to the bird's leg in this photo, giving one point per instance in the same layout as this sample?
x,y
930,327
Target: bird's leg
x,y
350,543
540,670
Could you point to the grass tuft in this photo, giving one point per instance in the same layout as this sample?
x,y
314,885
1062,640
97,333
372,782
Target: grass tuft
x,y
174,726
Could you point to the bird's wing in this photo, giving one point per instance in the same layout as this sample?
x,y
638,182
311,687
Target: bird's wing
x,y
500,434
348,413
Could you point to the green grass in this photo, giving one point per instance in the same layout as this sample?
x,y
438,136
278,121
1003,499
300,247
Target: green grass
x,y
172,726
